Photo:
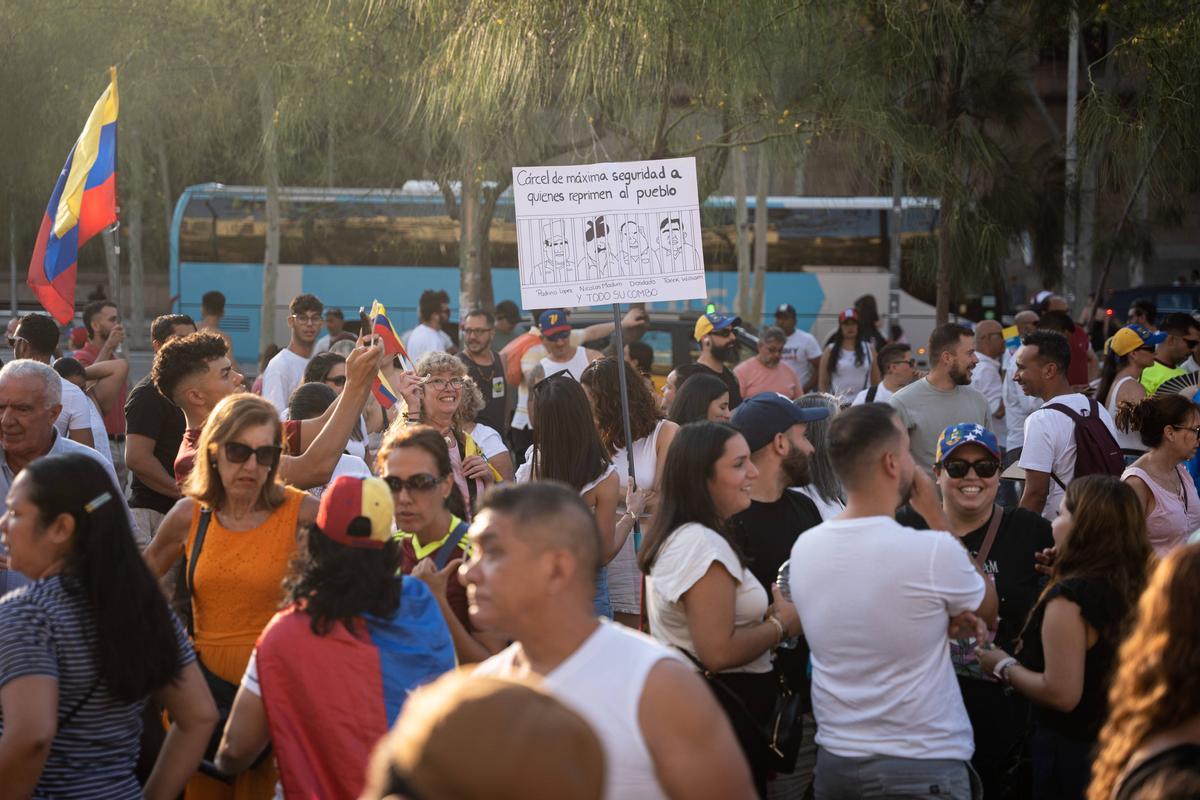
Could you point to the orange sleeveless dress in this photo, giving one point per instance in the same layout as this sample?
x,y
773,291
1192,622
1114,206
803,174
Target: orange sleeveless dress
x,y
237,591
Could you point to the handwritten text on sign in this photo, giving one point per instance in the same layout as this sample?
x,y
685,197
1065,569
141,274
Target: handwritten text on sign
x,y
598,234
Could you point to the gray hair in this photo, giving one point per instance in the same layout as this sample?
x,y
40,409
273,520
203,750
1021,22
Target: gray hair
x,y
824,479
772,334
28,368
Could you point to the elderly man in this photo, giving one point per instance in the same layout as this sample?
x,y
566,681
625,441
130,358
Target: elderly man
x,y
30,402
766,371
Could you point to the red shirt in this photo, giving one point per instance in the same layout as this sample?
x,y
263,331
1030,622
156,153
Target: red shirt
x,y
114,420
186,459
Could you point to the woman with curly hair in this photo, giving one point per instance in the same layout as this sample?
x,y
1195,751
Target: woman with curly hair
x,y
652,437
1068,649
1154,722
349,615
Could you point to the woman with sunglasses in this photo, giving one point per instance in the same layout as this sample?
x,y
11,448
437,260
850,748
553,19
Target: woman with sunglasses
x,y
434,394
1126,354
330,369
250,525
1169,427
1067,651
567,448
415,464
1005,543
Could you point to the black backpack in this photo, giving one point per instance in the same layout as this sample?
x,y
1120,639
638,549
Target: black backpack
x,y
1096,451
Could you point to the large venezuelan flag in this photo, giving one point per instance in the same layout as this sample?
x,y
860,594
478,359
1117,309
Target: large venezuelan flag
x,y
84,202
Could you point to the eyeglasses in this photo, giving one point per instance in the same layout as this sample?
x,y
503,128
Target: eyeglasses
x,y
307,319
340,380
421,482
1195,430
475,331
266,455
958,468
440,384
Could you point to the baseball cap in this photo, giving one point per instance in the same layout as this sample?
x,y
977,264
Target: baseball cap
x,y
787,309
1131,337
714,321
956,436
357,512
849,313
769,413
553,324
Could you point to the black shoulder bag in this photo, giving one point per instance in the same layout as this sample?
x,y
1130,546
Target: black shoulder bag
x,y
223,692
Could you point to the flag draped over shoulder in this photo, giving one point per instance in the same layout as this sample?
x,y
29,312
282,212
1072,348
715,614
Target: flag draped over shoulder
x,y
83,203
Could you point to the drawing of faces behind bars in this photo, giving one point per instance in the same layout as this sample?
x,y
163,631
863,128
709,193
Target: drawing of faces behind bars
x,y
549,245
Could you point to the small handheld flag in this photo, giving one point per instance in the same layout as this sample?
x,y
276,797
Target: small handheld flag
x,y
83,203
383,391
382,327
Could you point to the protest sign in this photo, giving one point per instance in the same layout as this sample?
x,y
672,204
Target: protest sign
x,y
598,234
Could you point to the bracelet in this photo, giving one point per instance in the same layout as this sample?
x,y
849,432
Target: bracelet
x,y
782,632
1001,669
412,419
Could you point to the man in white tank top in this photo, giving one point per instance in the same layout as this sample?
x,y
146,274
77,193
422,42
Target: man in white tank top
x,y
560,353
532,576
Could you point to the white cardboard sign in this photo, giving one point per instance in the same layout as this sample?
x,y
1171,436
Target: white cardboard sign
x,y
597,234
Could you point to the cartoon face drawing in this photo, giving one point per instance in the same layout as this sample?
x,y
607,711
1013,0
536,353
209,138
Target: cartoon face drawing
x,y
555,244
671,233
596,242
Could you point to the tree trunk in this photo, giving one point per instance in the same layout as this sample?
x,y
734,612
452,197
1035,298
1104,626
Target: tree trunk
x,y
470,252
1070,251
164,179
266,111
135,187
741,224
946,214
762,182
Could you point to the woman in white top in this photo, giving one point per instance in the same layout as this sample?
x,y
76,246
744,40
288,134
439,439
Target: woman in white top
x,y
1169,426
824,488
700,596
489,439
1126,354
848,363
566,448
652,436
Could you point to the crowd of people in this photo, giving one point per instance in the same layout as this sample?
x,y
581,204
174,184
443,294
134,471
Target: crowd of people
x,y
824,570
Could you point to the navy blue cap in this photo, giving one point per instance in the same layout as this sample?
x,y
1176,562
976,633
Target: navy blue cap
x,y
769,413
787,309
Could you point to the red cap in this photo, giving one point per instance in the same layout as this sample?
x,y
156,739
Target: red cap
x,y
357,512
849,313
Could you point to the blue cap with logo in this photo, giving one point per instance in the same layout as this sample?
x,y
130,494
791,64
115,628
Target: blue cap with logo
x,y
956,436
766,414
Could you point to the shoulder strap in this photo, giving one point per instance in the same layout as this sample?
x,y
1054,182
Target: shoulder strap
x,y
990,539
874,390
446,552
201,530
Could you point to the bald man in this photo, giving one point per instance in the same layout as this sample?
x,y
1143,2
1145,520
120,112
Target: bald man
x,y
532,575
1026,322
988,375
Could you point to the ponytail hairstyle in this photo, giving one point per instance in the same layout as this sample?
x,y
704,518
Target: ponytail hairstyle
x,y
137,639
1153,414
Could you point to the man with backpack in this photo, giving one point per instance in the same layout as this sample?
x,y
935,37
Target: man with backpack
x,y
1071,435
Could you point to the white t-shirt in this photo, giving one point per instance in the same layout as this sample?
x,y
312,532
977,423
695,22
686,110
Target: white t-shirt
x,y
828,509
283,374
602,681
489,441
74,415
99,431
798,351
875,599
882,393
685,558
1017,405
425,339
347,465
1050,444
851,377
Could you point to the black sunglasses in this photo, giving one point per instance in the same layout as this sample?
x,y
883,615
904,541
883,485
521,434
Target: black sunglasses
x,y
958,468
421,482
266,456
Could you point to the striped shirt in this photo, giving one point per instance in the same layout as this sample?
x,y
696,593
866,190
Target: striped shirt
x,y
45,629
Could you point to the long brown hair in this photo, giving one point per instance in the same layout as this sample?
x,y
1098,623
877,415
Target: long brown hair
x,y
1157,684
231,416
1108,539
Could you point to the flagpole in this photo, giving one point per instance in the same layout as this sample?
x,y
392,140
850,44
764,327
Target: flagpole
x,y
619,352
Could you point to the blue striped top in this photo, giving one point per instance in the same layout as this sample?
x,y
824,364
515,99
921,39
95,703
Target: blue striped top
x,y
47,630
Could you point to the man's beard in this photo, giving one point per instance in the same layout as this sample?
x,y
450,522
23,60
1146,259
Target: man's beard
x,y
960,377
796,467
906,489
724,352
